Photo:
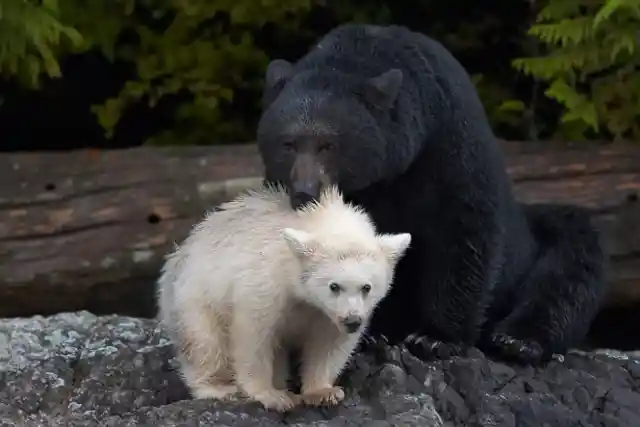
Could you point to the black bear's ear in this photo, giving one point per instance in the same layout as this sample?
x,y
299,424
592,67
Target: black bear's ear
x,y
383,90
278,71
277,74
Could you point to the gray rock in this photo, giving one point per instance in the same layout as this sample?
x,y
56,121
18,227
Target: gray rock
x,y
76,369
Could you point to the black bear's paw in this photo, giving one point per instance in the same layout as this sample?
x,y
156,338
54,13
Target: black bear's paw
x,y
426,349
369,343
524,352
377,346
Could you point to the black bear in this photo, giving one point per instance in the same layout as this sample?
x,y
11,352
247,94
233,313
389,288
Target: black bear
x,y
394,119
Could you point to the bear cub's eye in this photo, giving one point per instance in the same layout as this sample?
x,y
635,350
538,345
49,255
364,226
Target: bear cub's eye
x,y
366,289
288,145
335,288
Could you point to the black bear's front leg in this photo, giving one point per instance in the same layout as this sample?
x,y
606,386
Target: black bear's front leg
x,y
426,348
521,351
464,259
561,294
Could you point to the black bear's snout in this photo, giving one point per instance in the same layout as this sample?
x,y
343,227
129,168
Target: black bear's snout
x,y
306,180
301,198
310,188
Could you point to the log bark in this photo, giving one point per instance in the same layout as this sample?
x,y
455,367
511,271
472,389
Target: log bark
x,y
89,229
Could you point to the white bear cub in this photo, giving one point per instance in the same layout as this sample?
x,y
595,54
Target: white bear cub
x,y
257,279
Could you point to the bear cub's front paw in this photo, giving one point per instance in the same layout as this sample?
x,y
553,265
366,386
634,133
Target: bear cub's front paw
x,y
277,400
218,392
425,348
524,352
328,396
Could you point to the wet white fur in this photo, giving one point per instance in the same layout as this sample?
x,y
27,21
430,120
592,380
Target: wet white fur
x,y
252,281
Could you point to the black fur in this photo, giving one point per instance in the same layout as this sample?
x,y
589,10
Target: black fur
x,y
392,118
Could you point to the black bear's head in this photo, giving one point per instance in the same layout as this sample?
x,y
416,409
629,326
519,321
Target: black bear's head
x,y
324,127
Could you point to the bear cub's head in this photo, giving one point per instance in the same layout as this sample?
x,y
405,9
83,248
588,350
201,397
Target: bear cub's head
x,y
346,267
322,127
346,286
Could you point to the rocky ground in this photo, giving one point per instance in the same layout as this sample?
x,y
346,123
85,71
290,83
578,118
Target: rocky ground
x,y
76,369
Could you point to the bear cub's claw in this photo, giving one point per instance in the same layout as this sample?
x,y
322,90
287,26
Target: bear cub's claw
x,y
329,396
425,348
524,352
278,400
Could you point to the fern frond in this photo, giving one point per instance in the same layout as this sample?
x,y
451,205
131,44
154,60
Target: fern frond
x,y
30,35
566,32
621,39
613,6
616,100
559,9
579,107
564,62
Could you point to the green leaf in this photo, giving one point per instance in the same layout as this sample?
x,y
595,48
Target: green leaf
x,y
512,105
612,6
579,107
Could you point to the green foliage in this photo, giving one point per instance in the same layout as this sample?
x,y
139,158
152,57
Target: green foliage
x,y
32,37
198,65
501,105
591,65
185,49
369,11
101,22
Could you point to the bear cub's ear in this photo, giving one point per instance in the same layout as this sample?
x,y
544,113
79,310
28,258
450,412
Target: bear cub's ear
x,y
300,242
278,71
394,245
383,90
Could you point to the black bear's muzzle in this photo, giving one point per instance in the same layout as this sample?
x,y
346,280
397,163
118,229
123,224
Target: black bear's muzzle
x,y
301,198
306,180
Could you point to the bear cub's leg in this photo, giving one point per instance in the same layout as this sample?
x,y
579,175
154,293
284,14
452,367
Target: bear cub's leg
x,y
253,340
204,356
324,355
281,368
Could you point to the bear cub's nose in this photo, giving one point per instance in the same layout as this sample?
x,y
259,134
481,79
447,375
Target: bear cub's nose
x,y
352,323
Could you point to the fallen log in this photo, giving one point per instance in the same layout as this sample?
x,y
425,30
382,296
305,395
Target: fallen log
x,y
89,229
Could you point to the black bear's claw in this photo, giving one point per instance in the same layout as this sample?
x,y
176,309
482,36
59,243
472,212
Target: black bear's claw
x,y
425,348
369,341
526,352
378,346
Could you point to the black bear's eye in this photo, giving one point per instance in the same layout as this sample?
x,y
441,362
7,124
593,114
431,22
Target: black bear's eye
x,y
288,145
325,146
366,289
335,288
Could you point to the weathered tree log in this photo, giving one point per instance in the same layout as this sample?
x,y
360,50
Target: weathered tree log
x,y
89,229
